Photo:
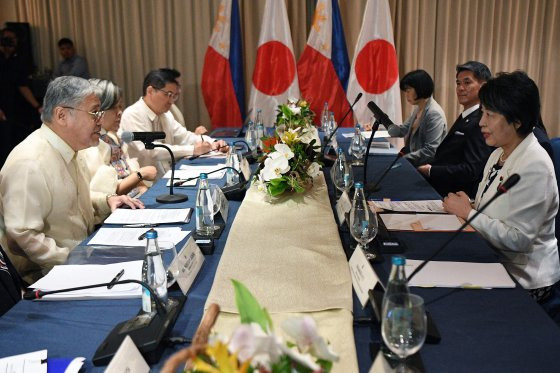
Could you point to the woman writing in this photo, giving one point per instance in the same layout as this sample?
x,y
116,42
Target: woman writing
x,y
425,128
520,224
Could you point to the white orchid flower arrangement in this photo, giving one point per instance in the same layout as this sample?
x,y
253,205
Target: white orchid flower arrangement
x,y
253,346
291,157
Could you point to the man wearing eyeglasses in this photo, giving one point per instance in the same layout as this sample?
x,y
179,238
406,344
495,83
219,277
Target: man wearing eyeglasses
x,y
46,202
151,113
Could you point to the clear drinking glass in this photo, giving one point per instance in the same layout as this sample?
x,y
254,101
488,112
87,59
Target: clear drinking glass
x,y
363,227
358,149
342,176
168,253
403,326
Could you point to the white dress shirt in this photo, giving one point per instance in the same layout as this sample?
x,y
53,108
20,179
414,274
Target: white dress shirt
x,y
140,118
520,223
46,203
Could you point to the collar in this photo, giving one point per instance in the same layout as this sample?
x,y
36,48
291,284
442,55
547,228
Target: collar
x,y
56,142
151,115
469,111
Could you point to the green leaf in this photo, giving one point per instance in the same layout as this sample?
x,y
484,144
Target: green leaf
x,y
277,186
249,308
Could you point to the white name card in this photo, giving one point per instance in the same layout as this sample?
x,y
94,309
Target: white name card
x,y
187,264
363,275
343,205
127,359
245,168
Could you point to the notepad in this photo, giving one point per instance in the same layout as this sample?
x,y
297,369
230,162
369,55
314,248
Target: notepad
x,y
435,205
423,222
67,276
148,216
129,236
459,275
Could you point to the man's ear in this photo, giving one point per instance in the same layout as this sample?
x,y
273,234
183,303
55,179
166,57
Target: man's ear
x,y
60,115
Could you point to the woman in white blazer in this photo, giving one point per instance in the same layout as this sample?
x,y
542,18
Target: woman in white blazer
x,y
520,224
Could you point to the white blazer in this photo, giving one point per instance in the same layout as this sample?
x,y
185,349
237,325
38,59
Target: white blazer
x,y
520,223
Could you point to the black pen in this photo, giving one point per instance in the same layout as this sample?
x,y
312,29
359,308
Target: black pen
x,y
115,279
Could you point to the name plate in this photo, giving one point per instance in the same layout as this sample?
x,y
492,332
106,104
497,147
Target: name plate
x,y
343,206
127,359
187,264
363,275
245,168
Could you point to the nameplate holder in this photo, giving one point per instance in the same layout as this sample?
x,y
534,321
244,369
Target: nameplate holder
x,y
187,264
363,275
128,359
343,206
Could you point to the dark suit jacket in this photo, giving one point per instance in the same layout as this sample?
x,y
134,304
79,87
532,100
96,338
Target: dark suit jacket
x,y
460,158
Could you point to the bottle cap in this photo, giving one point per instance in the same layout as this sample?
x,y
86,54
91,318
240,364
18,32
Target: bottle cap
x,y
358,185
398,260
152,233
339,150
203,176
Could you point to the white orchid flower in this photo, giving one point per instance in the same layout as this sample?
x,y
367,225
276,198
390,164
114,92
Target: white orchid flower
x,y
275,167
304,331
307,137
282,150
249,341
295,109
314,169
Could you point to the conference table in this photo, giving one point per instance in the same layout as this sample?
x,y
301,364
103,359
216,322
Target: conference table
x,y
482,330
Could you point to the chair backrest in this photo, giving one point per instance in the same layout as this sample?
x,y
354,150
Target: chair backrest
x,y
555,142
10,284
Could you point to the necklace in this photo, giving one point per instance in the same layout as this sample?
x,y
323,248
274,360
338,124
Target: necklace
x,y
502,159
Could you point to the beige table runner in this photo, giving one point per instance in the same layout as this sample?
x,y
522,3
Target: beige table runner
x,y
287,253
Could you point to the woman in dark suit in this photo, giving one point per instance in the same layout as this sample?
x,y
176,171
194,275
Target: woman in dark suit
x,y
425,128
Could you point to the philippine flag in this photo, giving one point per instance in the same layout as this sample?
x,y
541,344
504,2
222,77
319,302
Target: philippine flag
x,y
274,76
374,69
222,75
323,67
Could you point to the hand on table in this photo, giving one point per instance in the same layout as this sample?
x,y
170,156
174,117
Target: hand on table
x,y
458,204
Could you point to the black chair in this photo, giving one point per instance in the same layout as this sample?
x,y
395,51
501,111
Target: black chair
x,y
10,283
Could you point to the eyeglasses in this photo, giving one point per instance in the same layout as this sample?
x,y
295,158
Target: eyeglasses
x,y
96,115
172,95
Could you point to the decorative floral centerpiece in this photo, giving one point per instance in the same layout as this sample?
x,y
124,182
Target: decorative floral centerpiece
x,y
291,159
253,347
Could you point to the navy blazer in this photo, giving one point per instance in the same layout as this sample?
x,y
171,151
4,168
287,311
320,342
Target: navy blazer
x,y
460,158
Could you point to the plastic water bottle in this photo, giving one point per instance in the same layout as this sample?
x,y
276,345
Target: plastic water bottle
x,y
232,177
397,279
259,128
153,273
324,117
251,137
204,207
332,127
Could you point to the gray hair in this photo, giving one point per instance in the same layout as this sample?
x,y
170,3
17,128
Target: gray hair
x,y
109,93
65,91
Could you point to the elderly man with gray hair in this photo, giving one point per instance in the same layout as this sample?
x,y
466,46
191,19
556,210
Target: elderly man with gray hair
x,y
46,202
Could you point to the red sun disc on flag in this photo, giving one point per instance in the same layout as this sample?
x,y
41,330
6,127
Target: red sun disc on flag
x,y
376,66
275,68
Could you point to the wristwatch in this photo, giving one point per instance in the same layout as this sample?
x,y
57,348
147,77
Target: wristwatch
x,y
140,177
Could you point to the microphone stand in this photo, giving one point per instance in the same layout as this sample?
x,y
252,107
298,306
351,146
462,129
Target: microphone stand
x,y
374,129
249,155
168,198
369,188
234,192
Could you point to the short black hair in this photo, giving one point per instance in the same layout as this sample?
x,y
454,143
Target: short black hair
x,y
159,78
65,41
421,81
480,70
172,71
516,97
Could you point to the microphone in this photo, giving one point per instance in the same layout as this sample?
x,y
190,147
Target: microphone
x,y
191,158
249,154
379,114
146,330
369,188
234,192
181,182
358,97
145,137
503,188
374,129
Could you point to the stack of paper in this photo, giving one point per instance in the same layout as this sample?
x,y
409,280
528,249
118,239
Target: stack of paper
x,y
459,275
422,222
149,216
67,276
186,172
130,236
435,205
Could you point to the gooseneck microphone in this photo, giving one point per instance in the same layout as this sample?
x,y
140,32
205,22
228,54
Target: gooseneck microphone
x,y
38,294
369,188
374,129
181,182
147,138
142,136
379,114
503,188
358,97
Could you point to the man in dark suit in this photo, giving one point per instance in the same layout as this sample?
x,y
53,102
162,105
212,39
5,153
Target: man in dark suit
x,y
461,156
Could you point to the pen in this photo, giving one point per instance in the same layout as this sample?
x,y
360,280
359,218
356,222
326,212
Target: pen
x,y
189,214
140,225
115,279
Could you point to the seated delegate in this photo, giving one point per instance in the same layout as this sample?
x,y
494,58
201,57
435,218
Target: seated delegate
x,y
520,223
111,170
424,130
